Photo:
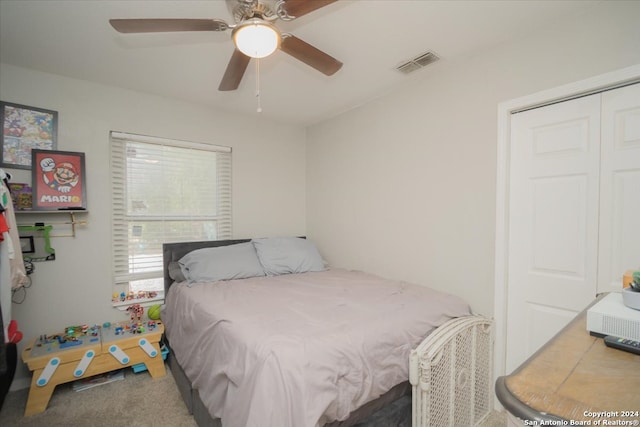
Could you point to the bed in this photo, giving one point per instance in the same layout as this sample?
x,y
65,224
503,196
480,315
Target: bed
x,y
283,340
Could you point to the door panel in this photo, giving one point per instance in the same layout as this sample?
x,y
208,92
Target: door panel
x,y
541,319
553,221
620,186
558,210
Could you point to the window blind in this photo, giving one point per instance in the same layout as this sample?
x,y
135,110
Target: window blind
x,y
164,190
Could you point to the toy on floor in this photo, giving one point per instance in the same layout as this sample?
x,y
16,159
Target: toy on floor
x,y
84,351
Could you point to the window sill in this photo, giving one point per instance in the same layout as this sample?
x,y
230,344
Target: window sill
x,y
144,302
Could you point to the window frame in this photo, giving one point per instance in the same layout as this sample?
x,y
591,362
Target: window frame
x,y
122,218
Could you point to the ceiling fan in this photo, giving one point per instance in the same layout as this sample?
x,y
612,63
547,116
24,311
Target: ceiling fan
x,y
253,33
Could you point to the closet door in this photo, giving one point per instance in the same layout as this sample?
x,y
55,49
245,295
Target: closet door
x,y
553,221
620,186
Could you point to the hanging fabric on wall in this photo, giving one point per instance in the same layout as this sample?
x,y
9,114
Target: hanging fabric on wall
x,y
12,271
12,238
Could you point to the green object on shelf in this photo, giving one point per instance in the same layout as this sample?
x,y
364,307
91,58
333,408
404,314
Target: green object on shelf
x,y
636,277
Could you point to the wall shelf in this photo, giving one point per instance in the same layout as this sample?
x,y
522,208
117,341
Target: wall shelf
x,y
72,219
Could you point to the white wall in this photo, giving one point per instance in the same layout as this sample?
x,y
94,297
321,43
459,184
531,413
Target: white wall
x,y
405,186
268,185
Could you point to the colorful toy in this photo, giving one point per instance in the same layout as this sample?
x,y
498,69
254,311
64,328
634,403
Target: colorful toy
x,y
154,312
136,311
114,347
14,335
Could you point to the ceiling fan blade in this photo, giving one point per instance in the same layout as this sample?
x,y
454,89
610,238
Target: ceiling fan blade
x,y
298,8
234,72
310,55
167,25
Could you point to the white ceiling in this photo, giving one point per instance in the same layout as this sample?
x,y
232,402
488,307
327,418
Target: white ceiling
x,y
371,37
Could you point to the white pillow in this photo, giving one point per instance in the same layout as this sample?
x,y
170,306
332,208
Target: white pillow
x,y
238,261
284,255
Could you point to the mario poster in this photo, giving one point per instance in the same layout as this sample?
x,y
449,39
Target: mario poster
x,y
58,180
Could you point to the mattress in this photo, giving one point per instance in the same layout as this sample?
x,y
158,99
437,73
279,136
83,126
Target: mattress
x,y
299,349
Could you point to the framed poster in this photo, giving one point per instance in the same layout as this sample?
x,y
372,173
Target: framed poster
x,y
25,128
58,180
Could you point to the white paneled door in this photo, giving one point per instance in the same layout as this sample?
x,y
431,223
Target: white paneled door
x,y
574,211
619,187
553,221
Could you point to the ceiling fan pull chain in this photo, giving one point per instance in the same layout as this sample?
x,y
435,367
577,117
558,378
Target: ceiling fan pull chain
x,y
259,110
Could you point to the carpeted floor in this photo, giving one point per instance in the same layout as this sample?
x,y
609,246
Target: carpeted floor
x,y
136,401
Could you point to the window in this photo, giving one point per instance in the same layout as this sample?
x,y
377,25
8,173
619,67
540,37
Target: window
x,y
163,191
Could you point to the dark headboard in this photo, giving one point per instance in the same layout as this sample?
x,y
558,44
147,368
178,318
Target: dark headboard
x,y
174,251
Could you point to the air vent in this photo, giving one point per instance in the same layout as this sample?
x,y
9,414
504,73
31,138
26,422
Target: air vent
x,y
417,63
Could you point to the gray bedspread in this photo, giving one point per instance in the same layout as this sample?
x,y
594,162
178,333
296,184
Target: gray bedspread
x,y
300,349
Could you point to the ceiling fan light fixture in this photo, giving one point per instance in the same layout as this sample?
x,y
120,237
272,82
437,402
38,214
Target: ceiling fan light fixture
x,y
256,38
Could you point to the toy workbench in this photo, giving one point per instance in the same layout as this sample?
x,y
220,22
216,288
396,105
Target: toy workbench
x,y
82,352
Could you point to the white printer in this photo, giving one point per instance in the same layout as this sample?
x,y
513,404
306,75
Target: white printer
x,y
610,316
